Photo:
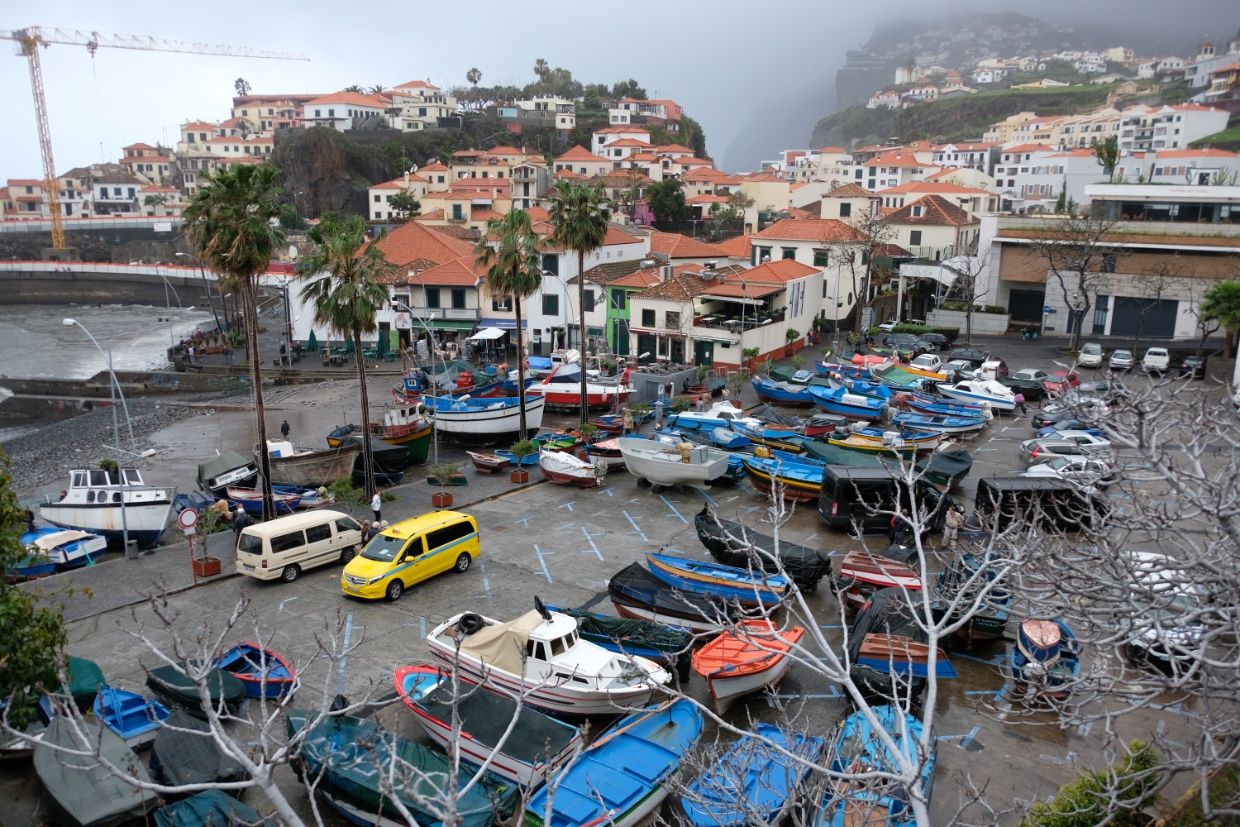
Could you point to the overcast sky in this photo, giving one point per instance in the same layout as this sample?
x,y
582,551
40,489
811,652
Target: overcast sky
x,y
725,61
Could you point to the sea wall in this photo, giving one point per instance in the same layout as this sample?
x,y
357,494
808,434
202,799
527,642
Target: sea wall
x,y
52,283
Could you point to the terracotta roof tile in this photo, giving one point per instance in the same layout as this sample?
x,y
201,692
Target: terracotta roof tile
x,y
709,175
417,84
680,287
737,247
848,191
810,229
775,272
604,274
579,153
640,279
1027,148
676,246
707,199
833,150
933,187
935,210
1195,153
412,241
569,175
459,272
351,99
905,160
434,166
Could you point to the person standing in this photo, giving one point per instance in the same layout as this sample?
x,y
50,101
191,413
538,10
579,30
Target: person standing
x,y
952,522
627,421
284,430
240,521
658,414
189,354
375,505
1019,399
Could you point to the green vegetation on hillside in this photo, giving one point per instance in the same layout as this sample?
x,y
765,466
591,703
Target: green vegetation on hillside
x,y
1229,138
954,119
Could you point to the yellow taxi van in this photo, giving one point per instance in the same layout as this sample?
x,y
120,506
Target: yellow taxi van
x,y
410,551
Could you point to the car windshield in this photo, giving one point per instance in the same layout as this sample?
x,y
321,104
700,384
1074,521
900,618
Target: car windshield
x,y
1121,354
1092,349
1156,351
383,548
1058,463
1025,373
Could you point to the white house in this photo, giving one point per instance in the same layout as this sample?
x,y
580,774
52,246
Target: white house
x,y
1168,127
421,105
607,134
976,155
823,243
343,110
891,169
581,161
884,99
989,74
379,196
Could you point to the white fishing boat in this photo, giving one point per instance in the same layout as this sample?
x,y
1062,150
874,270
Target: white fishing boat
x,y
67,548
977,391
111,503
681,464
562,388
541,655
562,468
484,421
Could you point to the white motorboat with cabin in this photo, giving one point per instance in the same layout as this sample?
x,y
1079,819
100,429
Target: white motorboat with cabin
x,y
978,391
112,503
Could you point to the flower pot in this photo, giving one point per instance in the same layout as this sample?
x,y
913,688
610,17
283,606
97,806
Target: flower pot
x,y
519,475
206,566
441,499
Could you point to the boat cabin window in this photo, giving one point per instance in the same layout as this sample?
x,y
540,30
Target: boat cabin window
x,y
557,646
79,479
132,477
535,650
99,477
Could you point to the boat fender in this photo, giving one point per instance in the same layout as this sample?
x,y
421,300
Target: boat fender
x,y
469,623
761,452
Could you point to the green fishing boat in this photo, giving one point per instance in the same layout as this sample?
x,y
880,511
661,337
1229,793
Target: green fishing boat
x,y
174,687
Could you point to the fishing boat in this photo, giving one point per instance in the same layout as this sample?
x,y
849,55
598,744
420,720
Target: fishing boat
x,y
251,499
666,645
16,747
614,423
402,425
843,402
31,567
862,574
557,440
336,436
945,466
938,424
528,459
535,747
536,653
720,437
390,461
64,548
716,580
636,593
797,481
829,454
920,440
352,757
821,424
562,389
306,468
309,498
81,791
870,360
228,469
782,393
133,717
959,585
981,391
176,688
750,658
662,464
622,778
937,406
900,378
112,504
736,545
85,679
892,446
563,468
888,652
859,748
756,780
263,673
1046,659
206,809
605,452
775,437
185,752
488,463
484,421
852,371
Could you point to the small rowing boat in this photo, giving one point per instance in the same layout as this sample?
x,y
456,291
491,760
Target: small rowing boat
x,y
748,659
638,594
1046,659
563,468
704,577
796,479
133,717
488,463
264,673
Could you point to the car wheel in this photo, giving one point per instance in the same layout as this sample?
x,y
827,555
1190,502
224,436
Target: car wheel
x,y
395,590
290,573
347,555
463,563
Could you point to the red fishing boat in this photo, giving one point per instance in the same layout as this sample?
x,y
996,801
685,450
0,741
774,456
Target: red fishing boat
x,y
863,573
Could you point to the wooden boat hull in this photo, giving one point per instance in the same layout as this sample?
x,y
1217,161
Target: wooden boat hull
x,y
488,426
315,468
771,392
57,549
743,587
252,500
855,443
488,463
997,403
854,406
140,717
565,469
745,661
761,477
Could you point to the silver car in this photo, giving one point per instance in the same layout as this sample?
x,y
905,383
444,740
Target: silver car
x,y
1166,630
1084,470
1121,360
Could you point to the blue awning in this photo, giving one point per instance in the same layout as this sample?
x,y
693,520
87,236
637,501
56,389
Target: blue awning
x,y
503,324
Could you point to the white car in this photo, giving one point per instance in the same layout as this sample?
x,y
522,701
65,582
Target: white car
x,y
887,327
1090,355
1166,629
928,361
1156,360
1092,443
1087,471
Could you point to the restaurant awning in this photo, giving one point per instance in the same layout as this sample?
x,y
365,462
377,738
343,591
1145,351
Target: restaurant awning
x,y
487,333
502,323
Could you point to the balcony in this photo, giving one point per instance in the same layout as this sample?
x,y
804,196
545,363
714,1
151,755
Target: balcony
x,y
464,314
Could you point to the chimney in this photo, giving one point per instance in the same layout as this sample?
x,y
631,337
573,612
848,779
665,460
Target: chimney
x,y
665,272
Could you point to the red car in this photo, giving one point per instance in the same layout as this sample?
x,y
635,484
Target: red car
x,y
1060,380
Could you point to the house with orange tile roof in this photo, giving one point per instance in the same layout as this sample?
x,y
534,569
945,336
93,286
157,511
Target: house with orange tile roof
x,y
848,203
421,105
267,114
379,196
657,112
616,132
890,169
830,164
826,244
932,227
581,161
972,200
437,174
343,111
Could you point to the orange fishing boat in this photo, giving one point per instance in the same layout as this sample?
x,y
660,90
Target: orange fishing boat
x,y
749,659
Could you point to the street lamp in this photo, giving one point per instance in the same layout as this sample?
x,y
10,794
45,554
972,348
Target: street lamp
x,y
397,304
114,389
206,288
168,302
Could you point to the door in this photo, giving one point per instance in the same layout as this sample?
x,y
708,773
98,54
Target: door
x,y
676,354
412,563
622,337
703,353
1154,318
445,544
320,544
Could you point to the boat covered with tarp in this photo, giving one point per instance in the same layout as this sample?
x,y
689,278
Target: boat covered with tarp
x,y
637,593
185,752
85,678
80,791
945,467
210,808
177,688
733,544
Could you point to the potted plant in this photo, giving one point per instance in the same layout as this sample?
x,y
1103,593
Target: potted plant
x,y
790,336
798,362
750,353
521,450
588,431
210,521
442,473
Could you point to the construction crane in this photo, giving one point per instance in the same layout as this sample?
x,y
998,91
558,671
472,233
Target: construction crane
x,y
29,40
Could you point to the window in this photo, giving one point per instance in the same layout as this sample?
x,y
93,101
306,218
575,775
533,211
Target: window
x,y
1108,263
647,318
760,253
788,252
318,533
587,300
914,238
551,304
618,299
432,297
671,320
377,199
285,542
918,211
501,303
458,298
550,262
347,524
845,209
820,258
441,537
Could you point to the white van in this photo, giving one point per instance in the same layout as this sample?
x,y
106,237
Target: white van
x,y
286,546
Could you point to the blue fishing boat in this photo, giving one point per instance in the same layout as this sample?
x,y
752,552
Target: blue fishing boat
x,y
799,478
135,718
306,497
868,388
621,778
859,748
473,419
752,782
959,585
264,673
782,393
939,424
64,548
888,649
32,566
528,459
772,436
846,371
1046,659
717,437
712,579
938,406
844,402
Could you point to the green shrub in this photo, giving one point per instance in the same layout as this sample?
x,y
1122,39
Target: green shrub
x,y
792,334
1087,800
916,329
344,491
526,447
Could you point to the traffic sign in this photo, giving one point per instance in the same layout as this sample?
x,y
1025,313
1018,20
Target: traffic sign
x,y
187,519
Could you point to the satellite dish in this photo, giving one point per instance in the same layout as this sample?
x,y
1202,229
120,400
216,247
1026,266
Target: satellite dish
x,y
292,251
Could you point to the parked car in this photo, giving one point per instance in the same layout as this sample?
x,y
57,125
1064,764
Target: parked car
x,y
959,369
1042,449
1193,367
1085,402
1165,633
1030,383
974,357
888,326
1121,360
1069,423
1061,380
1083,470
905,344
1090,440
1156,360
1090,355
928,361
938,340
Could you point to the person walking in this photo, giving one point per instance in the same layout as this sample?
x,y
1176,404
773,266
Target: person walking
x,y
284,430
375,505
1019,399
189,354
241,519
627,422
952,522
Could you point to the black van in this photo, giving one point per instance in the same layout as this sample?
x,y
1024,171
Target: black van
x,y
1051,504
866,498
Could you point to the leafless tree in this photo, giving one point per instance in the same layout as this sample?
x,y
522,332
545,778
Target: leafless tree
x,y
870,238
1079,253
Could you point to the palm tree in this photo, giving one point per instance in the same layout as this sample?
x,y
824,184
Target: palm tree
x,y
347,298
513,269
1107,153
580,213
242,86
229,222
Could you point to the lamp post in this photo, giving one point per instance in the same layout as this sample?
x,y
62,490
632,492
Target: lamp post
x,y
114,389
400,305
206,288
167,302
